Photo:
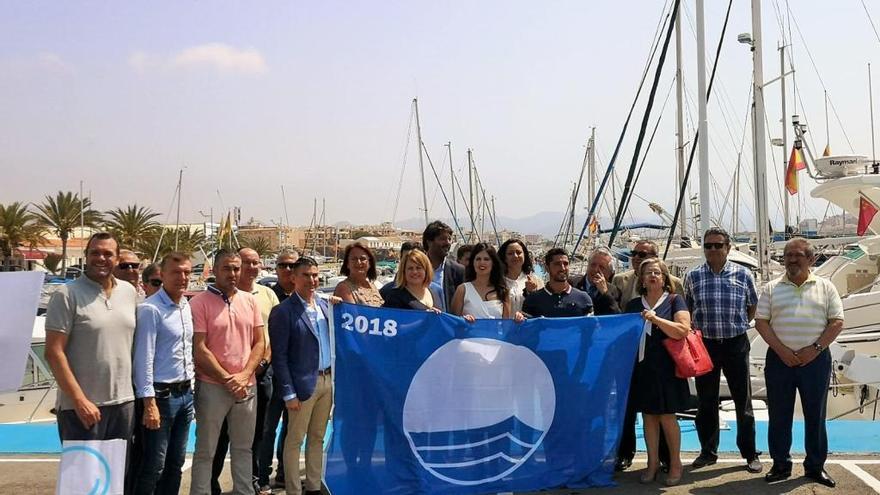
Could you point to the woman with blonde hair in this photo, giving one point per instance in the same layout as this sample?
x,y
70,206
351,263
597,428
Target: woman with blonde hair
x,y
657,393
359,267
413,284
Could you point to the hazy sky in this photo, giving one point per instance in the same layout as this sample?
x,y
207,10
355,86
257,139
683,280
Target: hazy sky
x,y
316,96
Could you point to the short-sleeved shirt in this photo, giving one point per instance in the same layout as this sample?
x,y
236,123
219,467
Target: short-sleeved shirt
x,y
229,326
573,302
799,315
100,333
719,301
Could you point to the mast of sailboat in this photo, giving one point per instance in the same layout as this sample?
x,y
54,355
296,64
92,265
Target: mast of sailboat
x,y
470,156
785,211
177,221
736,178
702,121
591,166
421,160
871,100
679,125
452,178
762,220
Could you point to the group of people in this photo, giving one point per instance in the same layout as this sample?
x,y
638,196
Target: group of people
x,y
134,359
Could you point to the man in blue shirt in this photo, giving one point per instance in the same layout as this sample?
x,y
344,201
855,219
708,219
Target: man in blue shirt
x,y
163,373
300,337
558,298
722,299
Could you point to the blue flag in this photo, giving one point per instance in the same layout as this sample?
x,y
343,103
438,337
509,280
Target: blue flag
x,y
429,403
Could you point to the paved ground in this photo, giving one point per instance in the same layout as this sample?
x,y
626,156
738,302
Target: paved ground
x,y
22,474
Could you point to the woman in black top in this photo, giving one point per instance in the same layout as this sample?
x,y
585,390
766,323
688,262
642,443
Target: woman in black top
x,y
413,285
658,393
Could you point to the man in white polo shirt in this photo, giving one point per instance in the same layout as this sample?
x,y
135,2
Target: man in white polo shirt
x,y
799,315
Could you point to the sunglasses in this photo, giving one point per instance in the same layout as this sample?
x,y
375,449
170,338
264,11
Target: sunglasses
x,y
155,282
714,245
641,254
285,266
129,266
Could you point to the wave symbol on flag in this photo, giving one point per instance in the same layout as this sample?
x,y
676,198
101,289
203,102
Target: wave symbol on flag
x,y
477,409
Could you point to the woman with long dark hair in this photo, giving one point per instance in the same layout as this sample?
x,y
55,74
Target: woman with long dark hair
x,y
518,272
359,267
484,293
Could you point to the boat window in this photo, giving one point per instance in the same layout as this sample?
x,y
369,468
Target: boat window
x,y
43,372
29,377
854,254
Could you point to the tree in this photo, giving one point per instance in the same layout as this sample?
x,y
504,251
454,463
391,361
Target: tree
x,y
131,224
188,241
61,214
17,227
52,261
259,244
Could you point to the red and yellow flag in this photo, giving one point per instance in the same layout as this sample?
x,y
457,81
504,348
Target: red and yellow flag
x,y
795,164
867,210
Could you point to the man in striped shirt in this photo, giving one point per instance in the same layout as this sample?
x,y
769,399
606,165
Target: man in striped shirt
x,y
799,315
722,298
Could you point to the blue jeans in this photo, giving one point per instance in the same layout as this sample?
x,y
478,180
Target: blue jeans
x,y
811,381
165,449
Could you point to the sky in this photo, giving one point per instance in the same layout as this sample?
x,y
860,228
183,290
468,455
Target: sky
x,y
317,97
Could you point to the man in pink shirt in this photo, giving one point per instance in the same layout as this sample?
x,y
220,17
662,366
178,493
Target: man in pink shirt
x,y
227,346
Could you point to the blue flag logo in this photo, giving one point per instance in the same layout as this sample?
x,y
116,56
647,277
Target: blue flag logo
x,y
428,403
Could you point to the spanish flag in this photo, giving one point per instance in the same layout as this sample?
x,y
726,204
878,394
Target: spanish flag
x,y
795,164
867,210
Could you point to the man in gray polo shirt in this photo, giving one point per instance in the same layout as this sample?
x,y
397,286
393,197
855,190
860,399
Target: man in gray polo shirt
x,y
90,328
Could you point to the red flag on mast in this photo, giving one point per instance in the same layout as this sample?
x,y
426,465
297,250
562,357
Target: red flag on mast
x,y
867,210
795,163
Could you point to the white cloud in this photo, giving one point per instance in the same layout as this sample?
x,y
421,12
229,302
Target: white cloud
x,y
221,57
217,56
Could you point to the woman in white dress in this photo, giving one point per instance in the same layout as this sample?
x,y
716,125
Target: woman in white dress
x,y
484,295
518,272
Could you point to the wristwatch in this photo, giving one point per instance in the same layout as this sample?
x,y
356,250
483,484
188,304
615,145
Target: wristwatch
x,y
818,346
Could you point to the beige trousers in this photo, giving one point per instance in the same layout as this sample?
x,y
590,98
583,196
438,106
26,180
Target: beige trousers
x,y
309,423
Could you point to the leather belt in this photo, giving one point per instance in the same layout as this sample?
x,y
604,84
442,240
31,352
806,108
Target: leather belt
x,y
175,388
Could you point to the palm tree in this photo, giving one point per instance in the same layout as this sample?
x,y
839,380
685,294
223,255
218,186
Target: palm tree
x,y
188,241
259,244
61,214
131,224
17,226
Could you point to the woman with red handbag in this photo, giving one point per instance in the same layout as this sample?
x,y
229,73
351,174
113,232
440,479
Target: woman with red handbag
x,y
658,393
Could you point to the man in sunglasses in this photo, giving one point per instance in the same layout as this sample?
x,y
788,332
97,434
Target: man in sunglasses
x,y
129,269
276,410
627,284
151,279
722,299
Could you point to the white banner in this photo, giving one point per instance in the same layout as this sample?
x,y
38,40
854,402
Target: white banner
x,y
19,297
92,467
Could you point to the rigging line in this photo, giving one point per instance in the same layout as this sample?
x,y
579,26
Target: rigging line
x,y
610,168
440,186
651,140
871,21
690,164
403,164
644,125
794,86
822,82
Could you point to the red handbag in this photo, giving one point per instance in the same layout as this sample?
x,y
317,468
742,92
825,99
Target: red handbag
x,y
689,355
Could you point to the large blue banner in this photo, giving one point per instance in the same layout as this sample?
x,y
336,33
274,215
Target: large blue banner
x,y
429,403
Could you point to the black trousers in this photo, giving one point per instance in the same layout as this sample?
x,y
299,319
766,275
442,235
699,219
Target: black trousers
x,y
811,382
264,393
730,356
627,447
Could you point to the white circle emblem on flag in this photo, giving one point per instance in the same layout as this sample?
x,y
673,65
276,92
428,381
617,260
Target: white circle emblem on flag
x,y
477,409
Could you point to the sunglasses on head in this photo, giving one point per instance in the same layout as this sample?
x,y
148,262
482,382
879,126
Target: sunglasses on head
x,y
641,254
155,282
129,266
714,245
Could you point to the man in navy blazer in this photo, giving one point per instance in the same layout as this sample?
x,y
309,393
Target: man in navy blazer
x,y
448,273
300,337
